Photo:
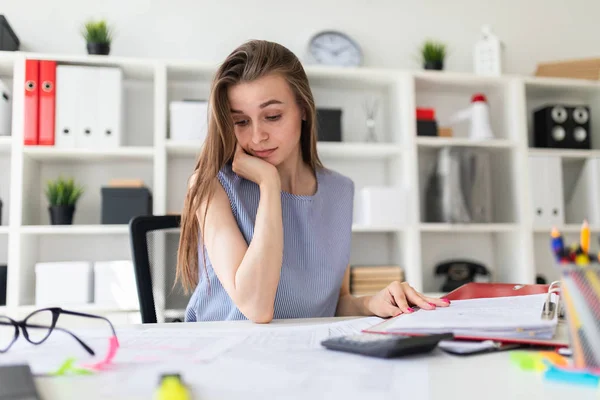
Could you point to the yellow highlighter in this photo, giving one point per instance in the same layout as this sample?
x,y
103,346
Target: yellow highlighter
x,y
172,388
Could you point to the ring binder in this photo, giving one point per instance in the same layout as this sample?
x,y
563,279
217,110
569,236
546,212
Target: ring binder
x,y
550,308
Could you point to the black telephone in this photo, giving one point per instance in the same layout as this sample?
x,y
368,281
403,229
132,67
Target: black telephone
x,y
458,272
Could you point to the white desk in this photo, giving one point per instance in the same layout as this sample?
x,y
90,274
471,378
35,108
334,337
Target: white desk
x,y
437,376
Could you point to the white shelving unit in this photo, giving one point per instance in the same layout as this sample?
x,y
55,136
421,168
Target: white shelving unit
x,y
511,246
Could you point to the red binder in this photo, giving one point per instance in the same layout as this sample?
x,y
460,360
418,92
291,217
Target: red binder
x,y
31,123
47,94
476,290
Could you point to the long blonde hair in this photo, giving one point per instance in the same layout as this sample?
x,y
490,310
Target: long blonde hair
x,y
250,61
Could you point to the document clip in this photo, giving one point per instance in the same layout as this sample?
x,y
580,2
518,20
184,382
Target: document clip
x,y
550,308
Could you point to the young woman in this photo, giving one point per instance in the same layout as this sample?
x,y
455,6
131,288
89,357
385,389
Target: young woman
x,y
266,229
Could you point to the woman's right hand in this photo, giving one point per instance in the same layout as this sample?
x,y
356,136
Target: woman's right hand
x,y
253,168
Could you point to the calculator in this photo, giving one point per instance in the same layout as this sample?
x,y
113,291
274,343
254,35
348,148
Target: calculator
x,y
385,346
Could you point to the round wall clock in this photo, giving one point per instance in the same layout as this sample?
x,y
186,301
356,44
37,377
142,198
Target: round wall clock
x,y
335,48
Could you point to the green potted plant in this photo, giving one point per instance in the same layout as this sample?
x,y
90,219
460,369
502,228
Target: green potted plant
x,y
433,54
62,195
98,36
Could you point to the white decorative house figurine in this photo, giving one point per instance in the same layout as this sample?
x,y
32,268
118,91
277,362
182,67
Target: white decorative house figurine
x,y
479,115
487,54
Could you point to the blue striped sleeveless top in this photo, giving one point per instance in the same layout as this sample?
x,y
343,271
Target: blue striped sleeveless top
x,y
317,233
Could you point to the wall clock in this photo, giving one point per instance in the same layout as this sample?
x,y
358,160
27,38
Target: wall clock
x,y
335,48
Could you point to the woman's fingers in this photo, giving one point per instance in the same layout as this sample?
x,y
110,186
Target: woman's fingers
x,y
399,297
415,298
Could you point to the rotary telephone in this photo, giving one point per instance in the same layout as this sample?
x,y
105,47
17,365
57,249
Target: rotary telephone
x,y
458,272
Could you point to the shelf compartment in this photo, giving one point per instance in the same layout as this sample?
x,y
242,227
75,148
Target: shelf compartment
x,y
503,177
91,174
449,93
541,92
499,252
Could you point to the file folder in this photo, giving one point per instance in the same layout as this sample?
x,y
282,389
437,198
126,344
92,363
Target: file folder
x,y
31,122
476,290
47,96
67,82
108,121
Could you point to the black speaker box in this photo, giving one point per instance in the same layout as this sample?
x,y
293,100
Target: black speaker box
x,y
329,124
120,204
562,126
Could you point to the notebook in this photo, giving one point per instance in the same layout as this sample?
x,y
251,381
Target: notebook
x,y
512,318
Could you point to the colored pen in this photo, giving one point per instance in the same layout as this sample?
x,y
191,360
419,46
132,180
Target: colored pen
x,y
585,237
558,245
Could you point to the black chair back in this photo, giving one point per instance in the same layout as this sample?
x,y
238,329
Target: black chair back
x,y
153,241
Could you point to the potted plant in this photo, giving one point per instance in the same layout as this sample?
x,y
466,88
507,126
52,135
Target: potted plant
x,y
98,36
433,54
62,195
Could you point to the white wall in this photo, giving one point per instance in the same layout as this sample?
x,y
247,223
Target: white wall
x,y
388,30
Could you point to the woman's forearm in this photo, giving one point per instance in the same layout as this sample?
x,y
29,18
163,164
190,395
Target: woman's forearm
x,y
349,305
258,275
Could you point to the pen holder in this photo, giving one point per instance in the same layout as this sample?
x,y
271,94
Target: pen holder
x,y
580,295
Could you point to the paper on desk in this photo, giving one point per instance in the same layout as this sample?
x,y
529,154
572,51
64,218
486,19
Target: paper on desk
x,y
137,348
352,327
516,316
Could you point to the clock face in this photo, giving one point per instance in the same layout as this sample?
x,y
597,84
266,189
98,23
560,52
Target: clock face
x,y
335,48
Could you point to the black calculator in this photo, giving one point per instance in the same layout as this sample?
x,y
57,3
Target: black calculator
x,y
385,346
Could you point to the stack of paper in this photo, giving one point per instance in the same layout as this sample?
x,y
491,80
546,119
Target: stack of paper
x,y
500,317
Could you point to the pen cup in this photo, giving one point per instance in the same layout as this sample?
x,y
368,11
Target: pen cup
x,y
580,295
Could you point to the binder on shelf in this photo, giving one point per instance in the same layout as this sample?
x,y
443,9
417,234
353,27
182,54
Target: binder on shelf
x,y
47,95
89,107
107,131
31,122
66,106
546,190
547,330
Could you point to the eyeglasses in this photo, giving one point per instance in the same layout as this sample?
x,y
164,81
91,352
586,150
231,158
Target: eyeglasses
x,y
39,325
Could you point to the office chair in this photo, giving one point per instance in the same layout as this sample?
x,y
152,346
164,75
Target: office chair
x,y
154,240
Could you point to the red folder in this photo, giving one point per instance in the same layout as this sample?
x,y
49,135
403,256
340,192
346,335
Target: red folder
x,y
31,123
47,102
476,290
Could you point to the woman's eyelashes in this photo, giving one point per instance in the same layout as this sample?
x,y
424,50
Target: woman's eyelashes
x,y
244,122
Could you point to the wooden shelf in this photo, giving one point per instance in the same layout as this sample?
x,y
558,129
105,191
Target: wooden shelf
x,y
464,142
359,228
42,153
565,153
75,230
466,228
358,150
4,230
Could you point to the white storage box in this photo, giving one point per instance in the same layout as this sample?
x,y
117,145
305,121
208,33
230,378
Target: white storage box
x,y
63,283
114,285
188,120
382,206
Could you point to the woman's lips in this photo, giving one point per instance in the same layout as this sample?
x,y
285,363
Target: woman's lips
x,y
264,153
